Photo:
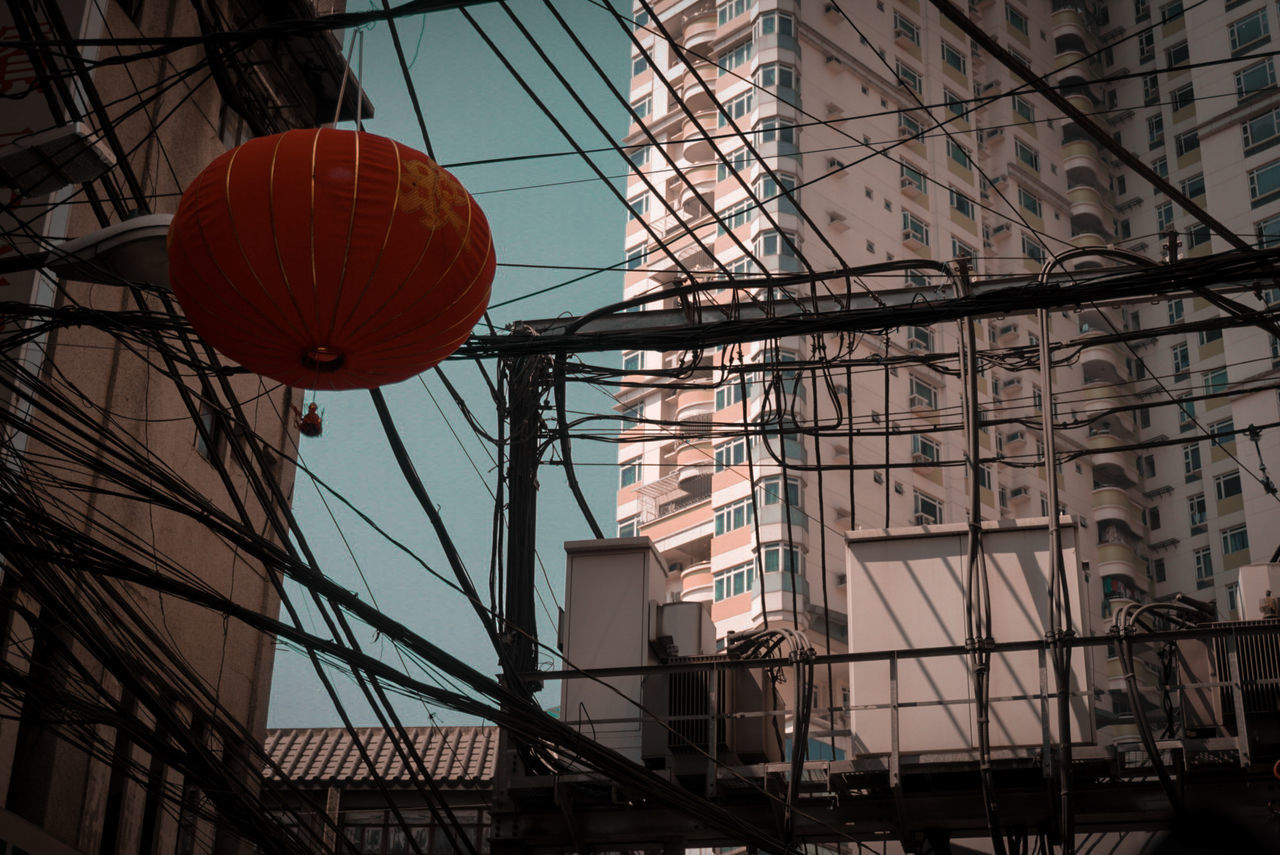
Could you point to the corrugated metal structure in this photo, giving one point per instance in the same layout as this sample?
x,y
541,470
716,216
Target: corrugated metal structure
x,y
456,757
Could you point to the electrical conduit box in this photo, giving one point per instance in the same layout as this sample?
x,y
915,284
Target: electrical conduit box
x,y
906,592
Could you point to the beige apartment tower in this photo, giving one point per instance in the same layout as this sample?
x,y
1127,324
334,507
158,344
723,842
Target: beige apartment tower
x,y
836,134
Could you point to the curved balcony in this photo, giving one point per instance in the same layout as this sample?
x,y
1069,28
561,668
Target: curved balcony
x,y
1069,59
697,85
697,147
1086,201
1078,152
697,583
700,31
703,181
1067,21
1113,503
1116,558
697,452
1102,362
1086,239
1112,467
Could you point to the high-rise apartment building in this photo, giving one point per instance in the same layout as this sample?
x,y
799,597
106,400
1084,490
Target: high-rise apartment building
x,y
782,137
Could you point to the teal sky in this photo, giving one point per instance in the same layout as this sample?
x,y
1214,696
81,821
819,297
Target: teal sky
x,y
474,110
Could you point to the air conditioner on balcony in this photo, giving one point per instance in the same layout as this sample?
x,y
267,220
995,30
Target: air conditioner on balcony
x,y
1000,229
918,402
1014,436
924,519
1019,492
917,344
920,457
994,132
902,35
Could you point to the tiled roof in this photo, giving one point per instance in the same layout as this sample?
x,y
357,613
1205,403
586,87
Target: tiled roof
x,y
456,757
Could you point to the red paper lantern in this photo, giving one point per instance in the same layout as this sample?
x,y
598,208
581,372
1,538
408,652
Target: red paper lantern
x,y
330,259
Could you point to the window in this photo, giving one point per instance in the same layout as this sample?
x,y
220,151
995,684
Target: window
x,y
1223,432
960,249
1150,89
1153,519
1235,539
628,526
1197,234
1177,54
1032,250
1261,130
1249,32
629,473
640,20
1183,96
956,152
771,491
737,214
1027,154
776,75
923,395
1171,11
1022,107
1186,143
912,178
642,108
1204,564
1141,10
1160,166
954,58
633,360
1269,231
961,204
954,103
638,207
1215,382
920,338
1029,201
1193,186
776,131
1207,336
1146,46
730,393
1191,458
910,78
1164,216
1159,569
638,156
904,28
726,12
1226,486
639,65
1264,181
775,557
1186,414
772,242
737,108
636,257
1255,78
738,160
734,516
732,453
927,509
769,187
1155,130
913,228
1196,510
213,428
1181,360
735,56
776,23
1017,20
924,450
1175,311
735,580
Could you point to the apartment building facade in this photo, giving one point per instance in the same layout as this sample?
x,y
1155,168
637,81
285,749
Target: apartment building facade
x,y
827,135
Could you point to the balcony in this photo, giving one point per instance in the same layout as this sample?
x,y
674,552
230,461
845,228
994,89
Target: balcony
x,y
697,583
1113,503
697,86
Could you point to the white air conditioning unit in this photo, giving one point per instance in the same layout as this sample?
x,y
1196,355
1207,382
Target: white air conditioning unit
x,y
916,344
920,457
924,519
918,402
907,131
1000,229
1019,492
1014,436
